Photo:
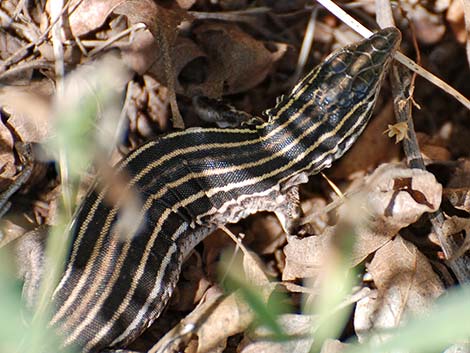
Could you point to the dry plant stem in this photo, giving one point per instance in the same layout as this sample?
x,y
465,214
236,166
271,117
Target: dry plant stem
x,y
103,45
306,45
229,15
162,35
27,65
401,79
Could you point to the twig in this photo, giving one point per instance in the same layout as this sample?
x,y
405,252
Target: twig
x,y
306,45
131,30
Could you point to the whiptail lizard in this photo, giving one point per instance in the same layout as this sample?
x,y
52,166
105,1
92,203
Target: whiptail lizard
x,y
190,182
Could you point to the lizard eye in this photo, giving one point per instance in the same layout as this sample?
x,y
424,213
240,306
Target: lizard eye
x,y
379,43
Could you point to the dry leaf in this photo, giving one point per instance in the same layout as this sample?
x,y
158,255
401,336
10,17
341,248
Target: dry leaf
x,y
459,228
148,109
398,130
7,158
149,47
458,197
254,270
291,324
304,256
406,284
395,197
237,61
30,110
333,346
433,148
89,15
460,176
456,19
232,316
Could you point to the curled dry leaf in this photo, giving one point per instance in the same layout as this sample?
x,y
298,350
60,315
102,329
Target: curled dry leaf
x,y
402,193
457,227
458,197
147,108
406,284
213,321
230,317
254,269
183,52
217,318
459,176
393,197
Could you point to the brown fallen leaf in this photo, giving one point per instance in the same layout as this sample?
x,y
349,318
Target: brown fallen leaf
x,y
147,109
30,110
391,207
459,228
89,15
433,148
458,197
304,256
459,176
406,284
237,61
377,213
7,158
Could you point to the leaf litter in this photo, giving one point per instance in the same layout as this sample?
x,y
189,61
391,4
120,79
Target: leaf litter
x,y
178,49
